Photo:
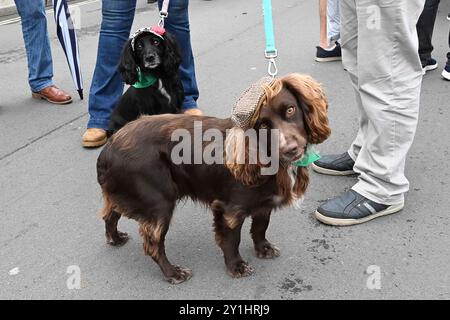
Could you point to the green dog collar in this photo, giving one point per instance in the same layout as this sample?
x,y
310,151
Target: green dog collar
x,y
309,157
144,81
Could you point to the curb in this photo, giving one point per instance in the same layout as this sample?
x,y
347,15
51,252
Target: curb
x,y
8,11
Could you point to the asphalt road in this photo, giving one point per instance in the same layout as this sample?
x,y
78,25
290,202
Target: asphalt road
x,y
49,196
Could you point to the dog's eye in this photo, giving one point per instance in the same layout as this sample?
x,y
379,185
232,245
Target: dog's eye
x,y
155,42
139,45
290,111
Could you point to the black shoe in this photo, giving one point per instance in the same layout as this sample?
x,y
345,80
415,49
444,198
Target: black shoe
x,y
448,17
335,165
429,65
323,55
352,208
446,72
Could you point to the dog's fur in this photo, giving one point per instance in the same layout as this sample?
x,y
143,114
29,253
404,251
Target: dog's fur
x,y
160,58
139,180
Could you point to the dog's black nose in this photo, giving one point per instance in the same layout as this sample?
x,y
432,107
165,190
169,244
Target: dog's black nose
x,y
150,59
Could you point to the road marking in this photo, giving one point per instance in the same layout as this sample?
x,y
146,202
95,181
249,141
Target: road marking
x,y
9,21
49,11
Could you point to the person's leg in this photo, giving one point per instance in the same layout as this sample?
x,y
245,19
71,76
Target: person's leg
x,y
448,53
323,34
37,44
333,21
446,71
107,85
425,27
390,94
342,164
177,23
328,49
389,86
350,39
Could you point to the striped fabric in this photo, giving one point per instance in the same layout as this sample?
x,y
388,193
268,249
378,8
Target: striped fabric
x,y
68,39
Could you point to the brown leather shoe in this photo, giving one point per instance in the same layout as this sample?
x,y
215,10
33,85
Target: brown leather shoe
x,y
94,137
53,95
193,112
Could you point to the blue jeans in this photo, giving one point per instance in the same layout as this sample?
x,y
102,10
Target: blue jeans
x,y
177,23
37,44
333,21
107,85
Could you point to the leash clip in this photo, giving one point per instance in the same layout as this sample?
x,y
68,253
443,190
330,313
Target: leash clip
x,y
162,16
272,69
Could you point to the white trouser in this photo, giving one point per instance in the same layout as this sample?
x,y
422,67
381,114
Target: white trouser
x,y
379,51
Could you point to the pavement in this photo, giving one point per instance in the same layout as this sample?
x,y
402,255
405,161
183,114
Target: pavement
x,y
49,197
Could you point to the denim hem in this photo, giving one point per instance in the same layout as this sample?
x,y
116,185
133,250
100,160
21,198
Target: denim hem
x,y
98,124
41,86
189,105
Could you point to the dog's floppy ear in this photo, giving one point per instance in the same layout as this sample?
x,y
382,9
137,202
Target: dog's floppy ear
x,y
237,157
127,65
314,104
172,56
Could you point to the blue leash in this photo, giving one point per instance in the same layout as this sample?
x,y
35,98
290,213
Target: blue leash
x,y
270,52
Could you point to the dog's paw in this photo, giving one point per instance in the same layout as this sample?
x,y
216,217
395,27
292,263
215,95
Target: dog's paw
x,y
180,275
117,240
241,269
267,251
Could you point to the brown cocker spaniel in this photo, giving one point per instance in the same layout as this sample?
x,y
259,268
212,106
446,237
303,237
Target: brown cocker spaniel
x,y
140,180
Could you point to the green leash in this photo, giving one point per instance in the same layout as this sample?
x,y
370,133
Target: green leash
x,y
144,81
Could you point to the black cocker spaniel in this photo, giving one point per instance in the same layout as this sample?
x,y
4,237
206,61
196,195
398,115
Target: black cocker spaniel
x,y
149,64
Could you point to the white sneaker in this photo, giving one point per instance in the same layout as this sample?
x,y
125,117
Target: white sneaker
x,y
446,73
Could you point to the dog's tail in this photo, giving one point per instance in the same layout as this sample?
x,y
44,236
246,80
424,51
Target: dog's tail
x,y
102,178
107,208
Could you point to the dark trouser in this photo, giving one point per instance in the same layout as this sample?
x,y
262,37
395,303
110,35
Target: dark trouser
x,y
448,54
425,27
